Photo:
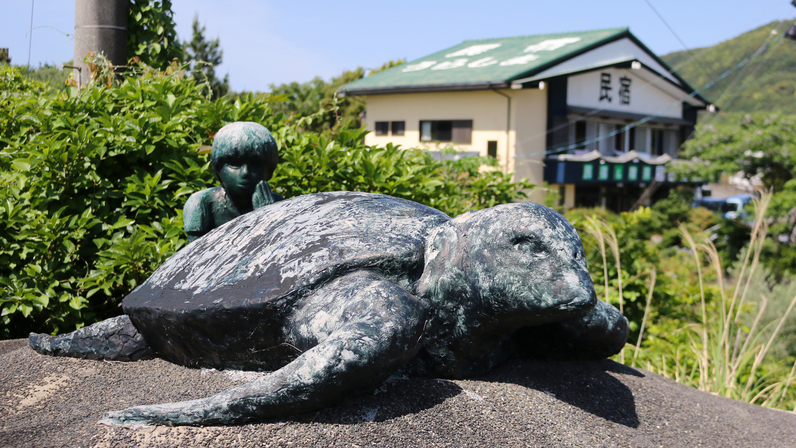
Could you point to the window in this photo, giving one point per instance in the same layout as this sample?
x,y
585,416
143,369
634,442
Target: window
x,y
656,142
619,138
491,149
580,134
397,127
640,139
455,131
382,128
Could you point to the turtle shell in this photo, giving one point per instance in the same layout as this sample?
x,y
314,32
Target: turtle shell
x,y
227,295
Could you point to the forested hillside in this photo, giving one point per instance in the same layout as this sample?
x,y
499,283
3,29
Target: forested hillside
x,y
766,83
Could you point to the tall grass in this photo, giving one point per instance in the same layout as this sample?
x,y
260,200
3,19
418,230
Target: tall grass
x,y
718,354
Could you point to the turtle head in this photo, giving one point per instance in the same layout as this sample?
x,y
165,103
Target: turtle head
x,y
514,265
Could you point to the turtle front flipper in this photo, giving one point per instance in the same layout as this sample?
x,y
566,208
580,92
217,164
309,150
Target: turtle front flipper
x,y
598,334
114,339
358,329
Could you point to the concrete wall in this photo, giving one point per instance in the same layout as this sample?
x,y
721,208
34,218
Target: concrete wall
x,y
488,110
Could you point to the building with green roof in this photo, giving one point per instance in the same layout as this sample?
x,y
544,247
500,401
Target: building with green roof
x,y
596,114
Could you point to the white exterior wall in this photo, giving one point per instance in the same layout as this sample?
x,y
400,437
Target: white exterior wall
x,y
488,111
645,98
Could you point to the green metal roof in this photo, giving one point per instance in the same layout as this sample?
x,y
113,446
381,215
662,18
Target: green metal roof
x,y
486,62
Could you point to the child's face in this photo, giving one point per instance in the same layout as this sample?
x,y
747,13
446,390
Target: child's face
x,y
240,176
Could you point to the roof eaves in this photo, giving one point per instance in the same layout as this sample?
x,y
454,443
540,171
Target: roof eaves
x,y
426,88
686,85
627,63
617,34
625,32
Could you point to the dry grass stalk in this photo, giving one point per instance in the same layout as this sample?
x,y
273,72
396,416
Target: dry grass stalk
x,y
650,289
787,383
757,237
695,250
762,354
613,244
594,229
710,358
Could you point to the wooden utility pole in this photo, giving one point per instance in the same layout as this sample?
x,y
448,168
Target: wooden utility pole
x,y
101,27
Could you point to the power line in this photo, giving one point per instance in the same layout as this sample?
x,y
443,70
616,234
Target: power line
x,y
765,48
667,25
674,33
30,32
597,111
743,63
648,117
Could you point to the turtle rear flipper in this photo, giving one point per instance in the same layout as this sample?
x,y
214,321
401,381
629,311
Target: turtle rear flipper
x,y
114,339
374,329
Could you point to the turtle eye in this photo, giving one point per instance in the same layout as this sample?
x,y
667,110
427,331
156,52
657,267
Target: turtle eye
x,y
529,243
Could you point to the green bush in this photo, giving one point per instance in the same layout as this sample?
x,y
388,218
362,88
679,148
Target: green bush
x,y
92,185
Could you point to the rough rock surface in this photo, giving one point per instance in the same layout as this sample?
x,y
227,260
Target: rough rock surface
x,y
56,402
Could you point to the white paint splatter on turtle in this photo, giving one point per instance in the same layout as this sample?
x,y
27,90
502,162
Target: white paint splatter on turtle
x,y
335,292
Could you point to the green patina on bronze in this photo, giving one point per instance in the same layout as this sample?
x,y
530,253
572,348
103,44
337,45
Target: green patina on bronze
x,y
243,158
334,292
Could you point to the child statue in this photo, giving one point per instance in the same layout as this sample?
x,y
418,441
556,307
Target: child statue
x,y
243,158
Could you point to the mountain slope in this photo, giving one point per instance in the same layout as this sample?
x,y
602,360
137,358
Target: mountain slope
x,y
766,83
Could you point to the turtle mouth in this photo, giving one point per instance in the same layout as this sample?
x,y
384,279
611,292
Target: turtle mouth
x,y
580,302
576,295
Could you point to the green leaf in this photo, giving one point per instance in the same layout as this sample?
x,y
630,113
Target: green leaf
x,y
21,165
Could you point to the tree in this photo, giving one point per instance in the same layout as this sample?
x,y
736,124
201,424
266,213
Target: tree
x,y
203,57
310,97
92,184
152,33
766,83
759,146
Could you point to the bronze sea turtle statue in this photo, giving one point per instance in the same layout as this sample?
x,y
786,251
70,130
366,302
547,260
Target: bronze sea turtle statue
x,y
334,292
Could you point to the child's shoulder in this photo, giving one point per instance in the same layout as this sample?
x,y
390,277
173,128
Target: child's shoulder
x,y
197,215
203,201
208,195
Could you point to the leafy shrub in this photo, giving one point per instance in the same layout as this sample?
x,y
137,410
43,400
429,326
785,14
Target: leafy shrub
x,y
92,185
711,331
152,33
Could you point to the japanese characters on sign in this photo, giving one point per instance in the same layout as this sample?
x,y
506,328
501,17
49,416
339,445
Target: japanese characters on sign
x,y
606,87
624,90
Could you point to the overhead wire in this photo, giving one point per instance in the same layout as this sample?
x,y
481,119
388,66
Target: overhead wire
x,y
593,112
30,32
648,117
765,48
676,36
777,38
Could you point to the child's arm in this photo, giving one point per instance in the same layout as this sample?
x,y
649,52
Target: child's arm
x,y
197,216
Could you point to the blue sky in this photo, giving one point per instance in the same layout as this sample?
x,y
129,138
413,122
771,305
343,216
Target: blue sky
x,y
269,42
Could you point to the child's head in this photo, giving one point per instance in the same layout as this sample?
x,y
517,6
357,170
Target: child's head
x,y
244,142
